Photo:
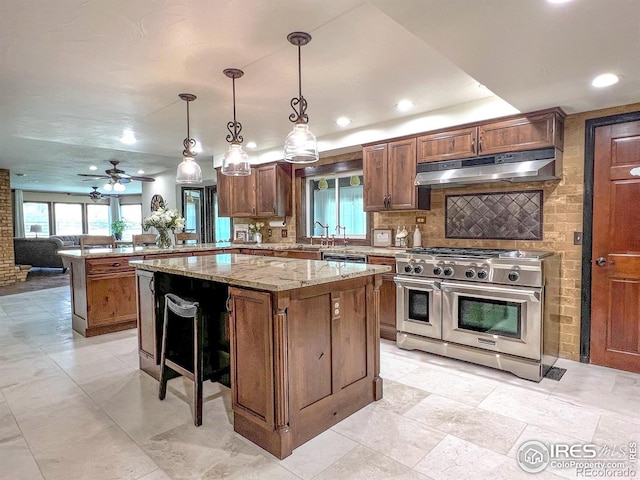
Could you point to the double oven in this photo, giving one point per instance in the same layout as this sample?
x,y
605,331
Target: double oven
x,y
492,307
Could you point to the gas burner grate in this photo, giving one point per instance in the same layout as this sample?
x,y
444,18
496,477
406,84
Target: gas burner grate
x,y
460,252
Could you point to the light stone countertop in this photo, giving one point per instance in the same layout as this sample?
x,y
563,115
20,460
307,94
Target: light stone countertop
x,y
128,251
272,274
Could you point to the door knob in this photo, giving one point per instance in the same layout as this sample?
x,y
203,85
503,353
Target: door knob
x,y
601,261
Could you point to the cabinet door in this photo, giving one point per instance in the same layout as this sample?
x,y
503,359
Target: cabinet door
x,y
111,299
223,190
522,133
243,195
374,167
252,387
387,297
459,143
402,174
147,340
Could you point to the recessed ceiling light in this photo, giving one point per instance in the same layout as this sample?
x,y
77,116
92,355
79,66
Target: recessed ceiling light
x,y
128,137
252,144
558,1
343,121
605,80
93,167
140,172
404,105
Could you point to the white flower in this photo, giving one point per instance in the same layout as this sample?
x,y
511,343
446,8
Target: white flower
x,y
165,219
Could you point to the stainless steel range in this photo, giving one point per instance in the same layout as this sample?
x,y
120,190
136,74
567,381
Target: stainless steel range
x,y
498,308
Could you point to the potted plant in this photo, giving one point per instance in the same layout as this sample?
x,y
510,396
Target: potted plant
x,y
117,227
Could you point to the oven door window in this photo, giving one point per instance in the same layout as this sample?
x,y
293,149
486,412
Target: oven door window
x,y
495,317
418,306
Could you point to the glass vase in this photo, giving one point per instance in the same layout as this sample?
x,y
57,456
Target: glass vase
x,y
163,240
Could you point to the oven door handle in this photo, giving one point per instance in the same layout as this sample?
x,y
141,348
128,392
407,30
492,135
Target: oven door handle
x,y
532,294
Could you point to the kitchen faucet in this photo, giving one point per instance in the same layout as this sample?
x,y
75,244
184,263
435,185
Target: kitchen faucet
x,y
326,237
344,233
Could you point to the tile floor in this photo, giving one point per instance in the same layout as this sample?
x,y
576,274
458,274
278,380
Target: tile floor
x,y
78,408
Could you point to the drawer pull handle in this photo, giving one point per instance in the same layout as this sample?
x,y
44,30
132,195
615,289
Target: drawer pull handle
x,y
115,264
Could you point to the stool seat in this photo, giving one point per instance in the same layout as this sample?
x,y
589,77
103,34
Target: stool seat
x,y
179,309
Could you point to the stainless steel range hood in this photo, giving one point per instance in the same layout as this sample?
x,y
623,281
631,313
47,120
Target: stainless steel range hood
x,y
529,166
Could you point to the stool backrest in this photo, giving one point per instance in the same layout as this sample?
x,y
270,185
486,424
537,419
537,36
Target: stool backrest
x,y
97,241
184,237
144,239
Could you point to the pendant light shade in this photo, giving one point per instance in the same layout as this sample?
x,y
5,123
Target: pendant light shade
x,y
301,145
236,160
188,170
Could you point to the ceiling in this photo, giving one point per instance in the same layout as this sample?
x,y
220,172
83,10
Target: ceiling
x,y
76,73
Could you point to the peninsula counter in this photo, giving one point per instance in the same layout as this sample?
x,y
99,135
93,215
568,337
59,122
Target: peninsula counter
x,y
303,337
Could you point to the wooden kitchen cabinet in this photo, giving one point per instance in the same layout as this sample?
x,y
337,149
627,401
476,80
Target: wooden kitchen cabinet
x,y
517,133
387,297
264,193
459,143
147,337
103,297
389,172
301,254
273,190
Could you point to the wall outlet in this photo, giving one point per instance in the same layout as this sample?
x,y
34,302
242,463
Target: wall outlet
x,y
269,232
577,238
421,219
283,233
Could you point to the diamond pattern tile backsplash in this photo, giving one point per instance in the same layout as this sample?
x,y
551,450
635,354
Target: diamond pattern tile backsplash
x,y
502,215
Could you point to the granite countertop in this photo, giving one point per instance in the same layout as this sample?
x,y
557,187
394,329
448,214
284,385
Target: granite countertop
x,y
263,273
129,251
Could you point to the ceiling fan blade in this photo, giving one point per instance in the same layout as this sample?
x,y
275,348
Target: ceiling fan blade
x,y
124,180
93,176
142,179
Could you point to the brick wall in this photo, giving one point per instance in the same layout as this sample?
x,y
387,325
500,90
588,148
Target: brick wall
x,y
7,259
562,216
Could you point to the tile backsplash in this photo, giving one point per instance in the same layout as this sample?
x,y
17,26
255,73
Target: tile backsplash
x,y
496,215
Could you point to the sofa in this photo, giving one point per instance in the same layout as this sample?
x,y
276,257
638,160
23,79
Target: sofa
x,y
39,252
68,241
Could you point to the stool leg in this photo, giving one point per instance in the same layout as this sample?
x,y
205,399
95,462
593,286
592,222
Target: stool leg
x,y
197,369
163,369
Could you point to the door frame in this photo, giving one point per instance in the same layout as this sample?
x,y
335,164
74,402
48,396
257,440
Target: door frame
x,y
587,223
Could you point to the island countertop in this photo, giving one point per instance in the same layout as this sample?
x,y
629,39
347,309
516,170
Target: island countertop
x,y
262,273
129,251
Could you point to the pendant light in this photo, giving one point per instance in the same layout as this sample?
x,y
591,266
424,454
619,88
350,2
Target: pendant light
x,y
301,145
236,160
188,170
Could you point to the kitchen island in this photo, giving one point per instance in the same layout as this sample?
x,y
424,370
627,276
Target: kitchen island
x,y
303,337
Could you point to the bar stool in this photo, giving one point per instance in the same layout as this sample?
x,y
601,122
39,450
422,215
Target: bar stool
x,y
183,309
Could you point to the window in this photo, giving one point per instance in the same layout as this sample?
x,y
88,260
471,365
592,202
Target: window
x,y
36,213
336,200
132,215
223,225
68,218
98,220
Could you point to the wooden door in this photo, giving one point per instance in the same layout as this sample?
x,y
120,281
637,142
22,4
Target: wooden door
x,y
460,143
266,191
374,168
402,175
243,195
615,263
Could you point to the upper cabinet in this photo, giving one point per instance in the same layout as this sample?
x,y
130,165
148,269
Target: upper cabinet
x,y
264,193
389,171
517,133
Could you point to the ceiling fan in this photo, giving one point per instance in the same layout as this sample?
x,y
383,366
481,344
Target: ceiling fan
x,y
94,195
116,175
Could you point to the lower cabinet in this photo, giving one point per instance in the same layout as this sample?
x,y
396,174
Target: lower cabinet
x,y
302,360
387,298
147,336
301,254
103,295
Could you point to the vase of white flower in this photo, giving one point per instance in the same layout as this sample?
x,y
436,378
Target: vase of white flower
x,y
164,221
254,231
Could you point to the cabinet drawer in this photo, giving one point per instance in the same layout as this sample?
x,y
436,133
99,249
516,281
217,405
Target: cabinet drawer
x,y
379,260
110,265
